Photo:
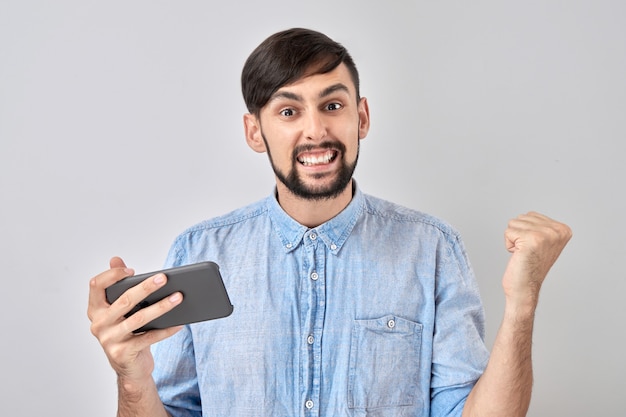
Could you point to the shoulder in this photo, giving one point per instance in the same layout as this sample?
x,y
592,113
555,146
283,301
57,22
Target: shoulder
x,y
390,212
430,238
206,240
239,217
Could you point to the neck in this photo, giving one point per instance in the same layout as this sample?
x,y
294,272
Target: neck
x,y
312,213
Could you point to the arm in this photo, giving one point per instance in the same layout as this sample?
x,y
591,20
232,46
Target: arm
x,y
139,398
129,354
535,242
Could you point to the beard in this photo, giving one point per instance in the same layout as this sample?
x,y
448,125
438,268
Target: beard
x,y
294,183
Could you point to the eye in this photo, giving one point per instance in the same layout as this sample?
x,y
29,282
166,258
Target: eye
x,y
286,112
333,106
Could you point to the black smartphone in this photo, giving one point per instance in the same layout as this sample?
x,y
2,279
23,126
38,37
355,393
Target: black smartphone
x,y
204,295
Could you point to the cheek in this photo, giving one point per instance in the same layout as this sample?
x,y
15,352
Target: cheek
x,y
352,139
279,140
280,149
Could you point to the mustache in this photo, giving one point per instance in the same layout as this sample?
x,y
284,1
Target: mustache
x,y
318,147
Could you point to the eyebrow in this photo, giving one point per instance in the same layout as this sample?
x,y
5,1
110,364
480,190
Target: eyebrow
x,y
325,93
333,88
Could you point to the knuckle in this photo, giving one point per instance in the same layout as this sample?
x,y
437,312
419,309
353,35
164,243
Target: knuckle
x,y
116,352
125,300
152,336
137,320
149,284
95,329
97,326
565,230
559,232
164,305
146,285
551,234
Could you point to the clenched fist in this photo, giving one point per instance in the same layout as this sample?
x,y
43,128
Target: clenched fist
x,y
535,242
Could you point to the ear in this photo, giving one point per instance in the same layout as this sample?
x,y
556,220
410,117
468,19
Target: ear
x,y
364,118
252,129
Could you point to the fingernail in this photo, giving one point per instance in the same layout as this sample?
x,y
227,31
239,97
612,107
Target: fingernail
x,y
174,298
159,279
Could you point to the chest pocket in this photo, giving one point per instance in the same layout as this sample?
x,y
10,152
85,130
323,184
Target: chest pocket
x,y
384,363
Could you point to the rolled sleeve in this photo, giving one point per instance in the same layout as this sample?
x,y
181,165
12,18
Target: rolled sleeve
x,y
175,375
459,352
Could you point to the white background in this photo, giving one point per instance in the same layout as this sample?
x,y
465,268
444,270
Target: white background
x,y
120,125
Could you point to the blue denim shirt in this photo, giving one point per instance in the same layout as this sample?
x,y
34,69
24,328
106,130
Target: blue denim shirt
x,y
373,313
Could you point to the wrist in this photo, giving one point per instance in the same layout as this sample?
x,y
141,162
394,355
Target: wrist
x,y
133,386
522,299
520,309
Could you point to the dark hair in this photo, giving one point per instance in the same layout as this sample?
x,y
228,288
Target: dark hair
x,y
287,56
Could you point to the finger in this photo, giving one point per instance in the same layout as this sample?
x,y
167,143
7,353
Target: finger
x,y
139,342
535,228
97,285
116,262
147,314
133,296
521,225
528,220
114,314
122,347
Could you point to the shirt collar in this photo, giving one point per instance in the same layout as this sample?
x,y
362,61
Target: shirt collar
x,y
333,233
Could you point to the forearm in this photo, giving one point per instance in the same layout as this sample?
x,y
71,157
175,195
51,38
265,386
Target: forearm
x,y
535,242
139,400
505,387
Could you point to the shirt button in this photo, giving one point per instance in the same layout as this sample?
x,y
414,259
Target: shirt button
x,y
391,323
308,404
333,246
310,339
314,276
313,236
288,245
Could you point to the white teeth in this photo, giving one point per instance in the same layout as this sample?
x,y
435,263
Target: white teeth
x,y
316,160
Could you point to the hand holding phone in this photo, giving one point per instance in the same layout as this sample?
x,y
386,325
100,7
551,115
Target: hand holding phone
x,y
204,295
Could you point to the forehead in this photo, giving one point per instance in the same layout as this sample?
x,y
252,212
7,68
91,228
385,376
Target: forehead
x,y
317,83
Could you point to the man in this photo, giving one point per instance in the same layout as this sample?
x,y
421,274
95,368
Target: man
x,y
345,305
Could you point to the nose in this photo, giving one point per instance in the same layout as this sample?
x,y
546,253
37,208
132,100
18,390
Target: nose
x,y
315,126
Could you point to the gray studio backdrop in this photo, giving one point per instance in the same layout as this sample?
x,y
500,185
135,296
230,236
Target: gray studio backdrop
x,y
121,125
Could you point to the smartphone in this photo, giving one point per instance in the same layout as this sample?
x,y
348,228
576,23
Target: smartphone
x,y
204,295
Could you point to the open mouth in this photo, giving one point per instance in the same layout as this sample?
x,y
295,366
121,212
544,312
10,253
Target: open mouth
x,y
318,158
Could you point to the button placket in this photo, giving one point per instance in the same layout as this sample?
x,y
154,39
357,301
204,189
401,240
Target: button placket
x,y
314,320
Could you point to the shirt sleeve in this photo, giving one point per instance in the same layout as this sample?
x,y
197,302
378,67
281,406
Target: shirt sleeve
x,y
174,360
459,352
175,375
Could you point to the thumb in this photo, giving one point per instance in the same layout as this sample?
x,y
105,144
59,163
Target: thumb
x,y
116,262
